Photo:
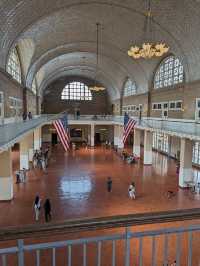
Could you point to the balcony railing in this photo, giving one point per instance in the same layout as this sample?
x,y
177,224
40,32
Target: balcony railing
x,y
9,133
181,126
91,117
118,247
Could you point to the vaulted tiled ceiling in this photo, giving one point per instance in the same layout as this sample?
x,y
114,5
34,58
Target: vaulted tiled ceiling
x,y
57,38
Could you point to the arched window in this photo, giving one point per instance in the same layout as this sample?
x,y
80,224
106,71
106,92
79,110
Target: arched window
x,y
170,72
13,65
76,91
34,86
129,88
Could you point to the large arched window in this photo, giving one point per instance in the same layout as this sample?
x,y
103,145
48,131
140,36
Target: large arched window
x,y
170,72
129,88
13,65
76,91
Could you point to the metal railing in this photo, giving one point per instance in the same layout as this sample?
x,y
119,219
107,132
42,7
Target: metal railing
x,y
187,127
91,117
108,244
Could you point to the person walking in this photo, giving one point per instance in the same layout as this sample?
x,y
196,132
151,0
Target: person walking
x,y
47,210
43,162
109,184
37,207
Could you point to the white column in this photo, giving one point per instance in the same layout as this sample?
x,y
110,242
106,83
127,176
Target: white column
x,y
185,172
25,145
136,143
148,139
120,140
6,179
116,135
37,138
92,136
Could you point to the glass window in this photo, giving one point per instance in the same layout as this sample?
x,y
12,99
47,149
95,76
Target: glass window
x,y
179,105
160,142
15,103
155,106
198,103
196,153
165,105
76,91
129,88
172,105
34,86
169,73
13,66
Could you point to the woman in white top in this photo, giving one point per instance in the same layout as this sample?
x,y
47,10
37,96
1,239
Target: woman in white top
x,y
131,191
37,207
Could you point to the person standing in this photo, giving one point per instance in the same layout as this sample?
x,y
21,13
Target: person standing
x,y
109,184
77,114
131,190
24,175
37,207
47,210
17,173
30,116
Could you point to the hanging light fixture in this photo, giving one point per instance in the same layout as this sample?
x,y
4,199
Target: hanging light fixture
x,y
96,87
148,49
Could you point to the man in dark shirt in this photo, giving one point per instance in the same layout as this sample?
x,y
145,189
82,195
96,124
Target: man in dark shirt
x,y
109,184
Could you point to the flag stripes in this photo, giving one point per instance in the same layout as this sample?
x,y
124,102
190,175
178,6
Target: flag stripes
x,y
63,135
127,129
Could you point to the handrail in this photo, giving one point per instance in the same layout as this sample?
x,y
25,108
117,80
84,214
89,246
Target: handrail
x,y
79,225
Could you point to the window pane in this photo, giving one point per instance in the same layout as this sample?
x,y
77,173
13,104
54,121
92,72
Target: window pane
x,y
129,88
13,66
76,91
169,73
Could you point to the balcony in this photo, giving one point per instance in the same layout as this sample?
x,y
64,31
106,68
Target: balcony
x,y
121,242
178,127
12,132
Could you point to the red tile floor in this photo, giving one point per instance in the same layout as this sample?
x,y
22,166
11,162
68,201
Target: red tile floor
x,y
76,185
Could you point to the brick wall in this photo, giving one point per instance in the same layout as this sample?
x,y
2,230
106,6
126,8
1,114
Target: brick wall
x,y
186,93
10,88
31,102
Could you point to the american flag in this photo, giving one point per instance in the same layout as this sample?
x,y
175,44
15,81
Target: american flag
x,y
129,124
61,126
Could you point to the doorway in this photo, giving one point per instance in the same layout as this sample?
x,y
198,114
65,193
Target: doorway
x,y
97,138
54,138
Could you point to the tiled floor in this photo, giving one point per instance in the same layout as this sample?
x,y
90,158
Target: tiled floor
x,y
76,185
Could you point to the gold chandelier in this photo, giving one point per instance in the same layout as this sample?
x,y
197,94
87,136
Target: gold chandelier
x,y
148,49
96,87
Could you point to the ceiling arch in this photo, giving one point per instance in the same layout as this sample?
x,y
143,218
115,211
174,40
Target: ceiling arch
x,y
81,71
61,27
